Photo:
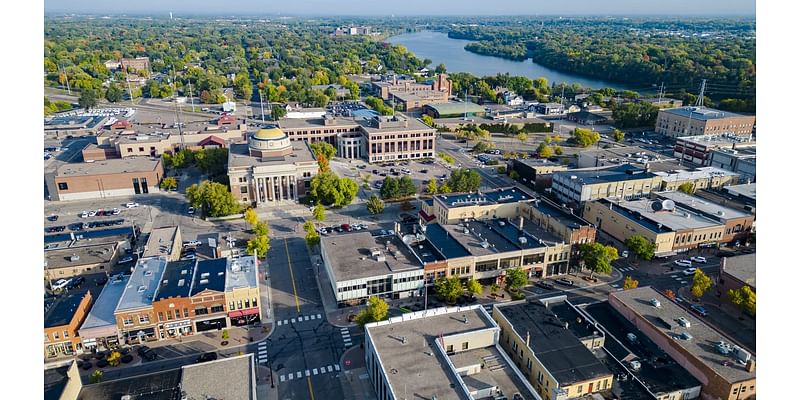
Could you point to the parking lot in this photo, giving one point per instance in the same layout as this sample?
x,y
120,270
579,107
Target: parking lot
x,y
420,172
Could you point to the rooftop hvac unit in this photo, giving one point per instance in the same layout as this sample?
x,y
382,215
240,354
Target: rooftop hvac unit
x,y
742,355
655,303
636,365
380,258
203,281
523,240
485,244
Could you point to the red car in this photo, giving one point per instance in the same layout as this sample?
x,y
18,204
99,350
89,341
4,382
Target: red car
x,y
346,227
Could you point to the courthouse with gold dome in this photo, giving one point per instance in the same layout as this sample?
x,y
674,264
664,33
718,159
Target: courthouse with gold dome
x,y
270,169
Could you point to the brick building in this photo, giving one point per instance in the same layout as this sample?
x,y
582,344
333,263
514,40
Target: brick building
x,y
693,121
107,178
62,318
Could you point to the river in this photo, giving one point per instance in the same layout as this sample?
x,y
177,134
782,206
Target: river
x,y
442,49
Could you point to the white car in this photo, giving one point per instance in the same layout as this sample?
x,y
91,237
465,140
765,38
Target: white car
x,y
92,213
191,211
683,263
131,205
689,271
61,283
115,211
192,243
84,214
698,259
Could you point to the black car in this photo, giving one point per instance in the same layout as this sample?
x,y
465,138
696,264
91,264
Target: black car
x,y
101,281
146,353
565,281
52,218
206,357
545,285
76,282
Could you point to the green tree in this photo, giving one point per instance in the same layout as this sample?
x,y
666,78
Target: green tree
x,y
332,190
406,186
278,113
744,299
225,334
515,279
242,86
465,180
213,198
640,246
440,69
319,212
251,217
686,187
312,236
618,135
522,137
114,358
513,175
474,287
375,205
598,257
261,228
432,188
428,120
481,147
547,140
258,244
630,283
544,151
377,310
325,148
96,376
88,99
700,283
557,138
448,289
445,188
558,150
446,158
390,188
169,183
585,137
113,93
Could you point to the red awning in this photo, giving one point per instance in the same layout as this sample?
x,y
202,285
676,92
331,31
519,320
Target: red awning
x,y
235,314
250,311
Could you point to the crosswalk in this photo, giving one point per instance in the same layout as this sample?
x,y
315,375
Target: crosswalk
x,y
301,318
346,337
680,279
626,269
310,372
262,353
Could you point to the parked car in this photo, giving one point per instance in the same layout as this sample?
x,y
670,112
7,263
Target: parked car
x,y
689,271
92,213
131,205
683,263
84,214
61,284
699,309
346,227
191,211
146,353
76,282
192,243
115,211
624,254
545,285
125,260
698,259
206,357
52,218
565,281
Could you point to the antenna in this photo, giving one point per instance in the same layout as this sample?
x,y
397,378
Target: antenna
x,y
177,110
190,93
699,102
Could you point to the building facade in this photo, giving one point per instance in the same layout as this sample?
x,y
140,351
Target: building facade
x,y
622,181
108,178
62,319
693,121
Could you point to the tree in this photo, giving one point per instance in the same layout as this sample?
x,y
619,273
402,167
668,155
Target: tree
x,y
377,310
465,180
258,244
225,334
88,99
598,257
242,86
700,283
375,205
445,188
448,289
251,217
113,93
114,358
406,186
558,150
440,69
390,188
96,376
261,228
618,135
312,236
319,212
213,198
640,246
513,175
325,148
169,183
446,158
278,113
522,137
515,279
432,188
686,187
557,138
324,164
585,137
481,147
474,287
427,120
332,190
670,294
547,140
544,151
630,283
744,299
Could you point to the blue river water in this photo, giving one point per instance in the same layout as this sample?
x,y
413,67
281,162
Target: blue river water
x,y
439,48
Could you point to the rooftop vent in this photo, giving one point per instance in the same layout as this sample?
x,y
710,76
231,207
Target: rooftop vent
x,y
181,282
203,281
655,303
141,288
204,275
148,273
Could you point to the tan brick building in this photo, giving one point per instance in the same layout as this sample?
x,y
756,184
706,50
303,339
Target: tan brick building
x,y
693,121
107,178
62,319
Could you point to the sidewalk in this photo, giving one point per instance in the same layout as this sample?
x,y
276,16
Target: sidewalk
x,y
336,316
354,378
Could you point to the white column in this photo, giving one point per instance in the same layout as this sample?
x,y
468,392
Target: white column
x,y
294,187
280,187
270,189
257,191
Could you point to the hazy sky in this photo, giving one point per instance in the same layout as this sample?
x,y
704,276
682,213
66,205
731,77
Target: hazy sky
x,y
408,7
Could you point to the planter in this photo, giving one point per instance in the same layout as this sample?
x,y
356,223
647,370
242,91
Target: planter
x,y
224,343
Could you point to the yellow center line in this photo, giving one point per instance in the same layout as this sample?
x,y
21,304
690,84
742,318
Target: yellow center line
x,y
291,274
310,388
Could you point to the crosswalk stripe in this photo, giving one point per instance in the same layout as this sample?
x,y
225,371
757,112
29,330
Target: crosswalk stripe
x,y
286,322
347,344
344,335
314,371
330,368
292,320
308,373
263,361
280,323
337,367
319,316
283,378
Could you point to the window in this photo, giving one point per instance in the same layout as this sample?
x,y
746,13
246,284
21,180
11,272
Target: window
x,y
200,311
160,316
185,313
127,321
239,304
130,150
465,346
231,306
530,364
217,308
66,334
255,303
63,186
449,348
141,148
246,303
243,189
55,335
169,315
580,388
144,319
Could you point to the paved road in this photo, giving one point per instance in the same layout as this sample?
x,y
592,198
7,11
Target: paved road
x,y
489,178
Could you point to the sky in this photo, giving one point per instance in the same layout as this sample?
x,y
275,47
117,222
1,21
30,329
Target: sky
x,y
406,7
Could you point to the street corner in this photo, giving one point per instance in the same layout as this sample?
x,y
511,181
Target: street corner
x,y
353,359
342,318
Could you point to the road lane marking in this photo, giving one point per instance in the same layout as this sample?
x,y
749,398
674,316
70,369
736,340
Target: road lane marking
x,y
291,274
310,388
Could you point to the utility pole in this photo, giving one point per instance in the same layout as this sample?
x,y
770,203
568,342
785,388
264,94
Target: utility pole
x,y
66,79
128,81
190,95
562,96
699,102
660,93
177,110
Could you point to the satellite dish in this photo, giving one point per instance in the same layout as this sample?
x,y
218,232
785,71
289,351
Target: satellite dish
x,y
656,205
668,205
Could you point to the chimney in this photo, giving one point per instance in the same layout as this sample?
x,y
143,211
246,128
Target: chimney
x,y
528,339
750,366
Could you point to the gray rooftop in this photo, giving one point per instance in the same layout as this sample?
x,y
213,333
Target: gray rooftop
x,y
701,346
701,113
712,210
102,313
143,283
741,267
745,190
241,273
370,125
89,254
63,309
719,140
161,242
107,167
679,219
619,173
421,367
456,108
239,156
697,173
237,375
496,196
337,122
350,255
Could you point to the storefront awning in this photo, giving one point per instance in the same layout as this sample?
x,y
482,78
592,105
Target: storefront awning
x,y
241,313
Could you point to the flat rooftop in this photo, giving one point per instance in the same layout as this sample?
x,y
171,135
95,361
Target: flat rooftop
x,y
333,122
539,162
742,268
569,219
705,338
161,241
350,255
619,173
710,209
563,354
371,125
162,385
241,273
693,174
176,279
143,284
660,221
108,167
659,372
715,141
489,242
420,366
102,312
746,190
701,113
494,373
498,196
239,155
87,254
456,108
63,309
441,240
202,381
627,154
210,275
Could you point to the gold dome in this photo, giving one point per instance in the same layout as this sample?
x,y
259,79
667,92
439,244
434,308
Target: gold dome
x,y
271,132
